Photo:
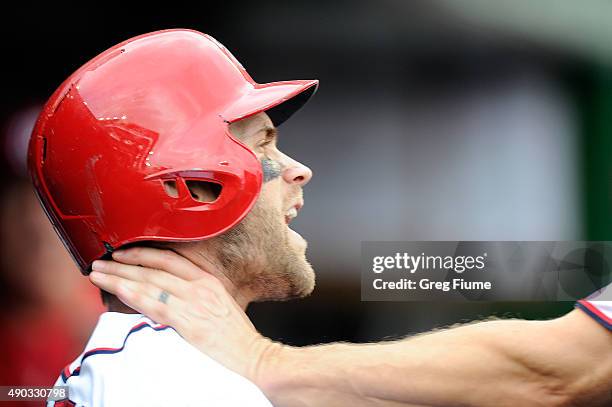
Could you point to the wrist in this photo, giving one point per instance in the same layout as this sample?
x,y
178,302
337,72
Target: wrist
x,y
273,366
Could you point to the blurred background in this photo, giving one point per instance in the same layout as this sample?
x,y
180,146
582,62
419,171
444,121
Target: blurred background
x,y
435,120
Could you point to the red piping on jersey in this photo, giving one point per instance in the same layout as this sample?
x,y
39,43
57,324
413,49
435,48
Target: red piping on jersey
x,y
595,311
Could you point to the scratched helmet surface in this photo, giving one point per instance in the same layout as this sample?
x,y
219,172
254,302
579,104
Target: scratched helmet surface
x,y
150,112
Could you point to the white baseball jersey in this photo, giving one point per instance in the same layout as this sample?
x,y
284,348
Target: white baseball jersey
x,y
599,306
132,361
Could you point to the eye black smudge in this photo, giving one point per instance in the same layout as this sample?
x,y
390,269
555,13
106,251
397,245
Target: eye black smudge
x,y
271,169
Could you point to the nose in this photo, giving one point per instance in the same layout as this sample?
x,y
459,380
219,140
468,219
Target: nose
x,y
297,173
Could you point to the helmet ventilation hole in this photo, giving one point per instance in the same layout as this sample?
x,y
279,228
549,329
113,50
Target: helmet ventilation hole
x,y
203,191
170,188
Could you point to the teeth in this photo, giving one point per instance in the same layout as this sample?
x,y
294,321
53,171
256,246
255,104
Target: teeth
x,y
291,213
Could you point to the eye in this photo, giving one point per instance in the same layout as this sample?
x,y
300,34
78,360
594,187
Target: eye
x,y
268,141
265,142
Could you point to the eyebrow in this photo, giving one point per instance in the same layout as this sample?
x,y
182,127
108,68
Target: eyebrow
x,y
270,130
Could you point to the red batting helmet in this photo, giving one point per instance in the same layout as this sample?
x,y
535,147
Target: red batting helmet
x,y
154,109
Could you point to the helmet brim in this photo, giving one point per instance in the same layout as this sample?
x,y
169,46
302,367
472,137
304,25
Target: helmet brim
x,y
279,99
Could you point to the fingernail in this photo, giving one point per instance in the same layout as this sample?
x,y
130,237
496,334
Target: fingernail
x,y
94,275
98,265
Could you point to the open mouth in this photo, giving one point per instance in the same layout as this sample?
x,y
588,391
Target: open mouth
x,y
290,215
292,212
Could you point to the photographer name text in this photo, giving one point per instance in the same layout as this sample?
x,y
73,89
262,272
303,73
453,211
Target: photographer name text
x,y
406,263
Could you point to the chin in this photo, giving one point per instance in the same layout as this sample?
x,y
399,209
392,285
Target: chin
x,y
301,269
300,274
296,278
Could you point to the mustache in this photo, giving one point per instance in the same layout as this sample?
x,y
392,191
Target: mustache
x,y
294,198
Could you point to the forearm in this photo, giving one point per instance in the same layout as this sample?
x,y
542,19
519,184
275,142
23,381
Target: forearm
x,y
364,375
442,369
487,364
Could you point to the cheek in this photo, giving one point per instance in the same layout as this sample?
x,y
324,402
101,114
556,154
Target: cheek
x,y
272,169
271,195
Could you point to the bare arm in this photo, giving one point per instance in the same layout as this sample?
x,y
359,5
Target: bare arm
x,y
567,361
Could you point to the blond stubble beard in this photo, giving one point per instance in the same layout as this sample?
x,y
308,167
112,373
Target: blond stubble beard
x,y
256,257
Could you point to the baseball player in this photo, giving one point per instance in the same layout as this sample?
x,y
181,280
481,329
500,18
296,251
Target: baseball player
x,y
177,147
166,138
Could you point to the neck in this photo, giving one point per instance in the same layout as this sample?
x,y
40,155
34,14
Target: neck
x,y
114,304
242,296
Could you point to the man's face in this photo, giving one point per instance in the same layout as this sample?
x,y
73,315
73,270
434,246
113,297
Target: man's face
x,y
284,177
262,254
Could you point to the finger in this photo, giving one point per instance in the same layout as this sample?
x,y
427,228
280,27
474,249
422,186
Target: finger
x,y
165,260
158,278
145,300
118,285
